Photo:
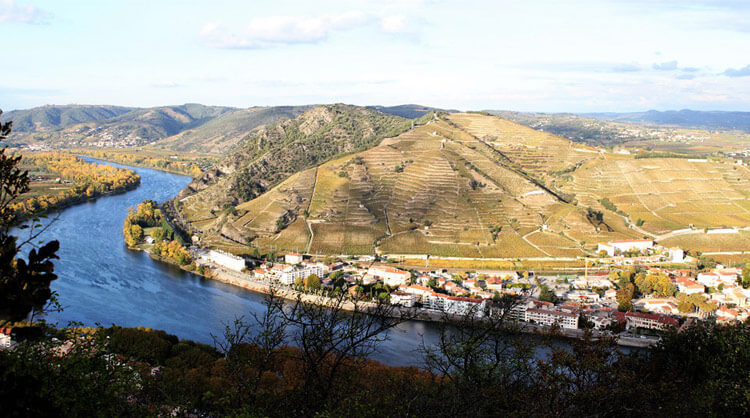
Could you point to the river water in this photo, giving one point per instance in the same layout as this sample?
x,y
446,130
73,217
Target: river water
x,y
100,281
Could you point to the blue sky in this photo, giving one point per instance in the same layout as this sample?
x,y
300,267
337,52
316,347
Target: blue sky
x,y
549,56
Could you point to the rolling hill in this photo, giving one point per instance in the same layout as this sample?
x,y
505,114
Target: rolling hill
x,y
454,185
185,128
462,184
49,118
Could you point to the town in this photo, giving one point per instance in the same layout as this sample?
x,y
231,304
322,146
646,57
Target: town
x,y
638,291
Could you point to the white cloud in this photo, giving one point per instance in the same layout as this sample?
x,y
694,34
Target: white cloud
x,y
665,66
267,32
393,24
21,13
272,31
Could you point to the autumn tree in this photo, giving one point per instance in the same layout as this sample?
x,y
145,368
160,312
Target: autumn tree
x,y
312,282
624,298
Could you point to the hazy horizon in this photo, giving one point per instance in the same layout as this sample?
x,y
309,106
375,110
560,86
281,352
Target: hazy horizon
x,y
582,56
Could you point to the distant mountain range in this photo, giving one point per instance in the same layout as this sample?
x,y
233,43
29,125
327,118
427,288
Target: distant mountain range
x,y
683,118
184,128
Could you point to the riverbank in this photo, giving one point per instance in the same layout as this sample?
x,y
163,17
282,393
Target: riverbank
x,y
267,287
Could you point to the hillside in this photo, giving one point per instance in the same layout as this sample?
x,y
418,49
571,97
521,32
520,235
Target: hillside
x,y
409,111
189,128
446,187
48,118
278,151
218,136
467,185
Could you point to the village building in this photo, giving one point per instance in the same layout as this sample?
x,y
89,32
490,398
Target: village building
x,y
293,258
404,299
389,275
455,305
646,320
227,260
564,318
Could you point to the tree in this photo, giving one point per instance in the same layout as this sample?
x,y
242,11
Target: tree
x,y
335,337
312,282
624,298
745,278
24,284
157,234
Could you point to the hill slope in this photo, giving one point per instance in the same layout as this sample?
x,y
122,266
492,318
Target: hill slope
x,y
47,118
278,151
436,189
466,185
183,128
223,133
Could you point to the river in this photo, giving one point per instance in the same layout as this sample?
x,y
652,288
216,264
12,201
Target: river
x,y
100,281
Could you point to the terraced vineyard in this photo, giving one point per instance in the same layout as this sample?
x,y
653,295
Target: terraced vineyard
x,y
472,185
667,193
435,189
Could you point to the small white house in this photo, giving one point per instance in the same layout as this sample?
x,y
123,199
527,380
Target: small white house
x,y
292,258
389,275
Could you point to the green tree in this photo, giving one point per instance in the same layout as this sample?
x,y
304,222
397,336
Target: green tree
x,y
432,282
24,283
312,282
745,278
157,234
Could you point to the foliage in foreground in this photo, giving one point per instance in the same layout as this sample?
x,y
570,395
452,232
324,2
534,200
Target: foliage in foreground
x,y
476,368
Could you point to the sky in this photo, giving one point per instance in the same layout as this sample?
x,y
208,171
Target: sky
x,y
526,55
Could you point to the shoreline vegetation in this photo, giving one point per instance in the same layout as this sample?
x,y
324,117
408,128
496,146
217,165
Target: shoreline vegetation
x,y
147,222
63,180
175,163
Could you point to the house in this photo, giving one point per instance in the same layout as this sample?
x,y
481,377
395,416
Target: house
x,y
676,255
404,299
421,292
649,321
709,279
287,274
724,314
227,260
665,306
610,294
582,296
494,283
613,248
689,286
260,273
564,318
293,258
389,275
456,305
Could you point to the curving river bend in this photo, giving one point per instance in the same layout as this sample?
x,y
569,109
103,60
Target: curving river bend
x,y
100,281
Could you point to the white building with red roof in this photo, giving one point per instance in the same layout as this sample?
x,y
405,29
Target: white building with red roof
x,y
391,276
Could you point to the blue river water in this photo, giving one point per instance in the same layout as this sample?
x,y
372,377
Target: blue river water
x,y
100,281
